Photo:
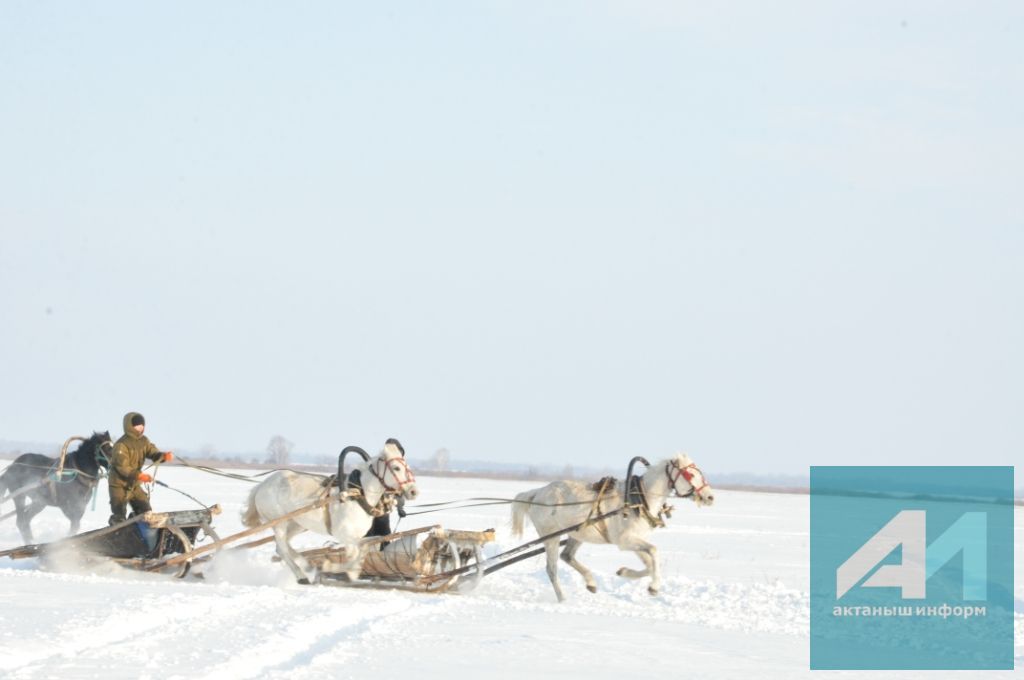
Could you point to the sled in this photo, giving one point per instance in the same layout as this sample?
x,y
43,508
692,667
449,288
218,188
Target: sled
x,y
136,542
431,559
426,559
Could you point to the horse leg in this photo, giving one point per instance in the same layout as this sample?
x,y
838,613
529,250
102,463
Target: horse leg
x,y
626,572
289,556
74,514
551,549
76,521
569,555
648,554
25,514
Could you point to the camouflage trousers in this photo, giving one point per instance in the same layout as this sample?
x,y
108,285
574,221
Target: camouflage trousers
x,y
120,497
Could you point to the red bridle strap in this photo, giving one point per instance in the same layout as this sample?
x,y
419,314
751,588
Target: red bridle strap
x,y
410,478
686,472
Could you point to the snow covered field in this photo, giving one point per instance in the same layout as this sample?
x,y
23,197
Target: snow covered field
x,y
733,604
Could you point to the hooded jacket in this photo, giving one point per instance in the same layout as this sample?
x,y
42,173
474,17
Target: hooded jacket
x,y
130,451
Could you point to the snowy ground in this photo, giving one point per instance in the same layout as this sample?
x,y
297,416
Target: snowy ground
x,y
733,604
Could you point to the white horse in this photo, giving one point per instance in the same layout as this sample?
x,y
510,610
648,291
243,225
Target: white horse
x,y
565,503
344,519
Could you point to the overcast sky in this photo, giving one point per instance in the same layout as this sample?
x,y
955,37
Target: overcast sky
x,y
769,234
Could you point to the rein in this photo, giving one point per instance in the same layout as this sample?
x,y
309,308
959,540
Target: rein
x,y
436,507
252,479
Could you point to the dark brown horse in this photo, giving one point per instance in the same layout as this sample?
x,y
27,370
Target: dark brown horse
x,y
31,480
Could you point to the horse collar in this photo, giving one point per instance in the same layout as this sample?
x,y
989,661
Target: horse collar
x,y
636,494
354,485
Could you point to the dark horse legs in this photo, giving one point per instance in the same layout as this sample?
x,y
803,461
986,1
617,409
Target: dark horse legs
x,y
26,511
75,515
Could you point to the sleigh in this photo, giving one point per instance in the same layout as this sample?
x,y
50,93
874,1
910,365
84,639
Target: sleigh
x,y
144,540
428,559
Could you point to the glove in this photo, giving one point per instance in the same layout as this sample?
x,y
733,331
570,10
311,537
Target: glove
x,y
168,456
145,477
401,511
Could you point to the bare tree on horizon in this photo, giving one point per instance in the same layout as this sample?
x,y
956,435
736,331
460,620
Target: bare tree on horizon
x,y
279,450
441,460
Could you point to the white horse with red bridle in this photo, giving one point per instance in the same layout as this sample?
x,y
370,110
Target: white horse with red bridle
x,y
344,517
566,503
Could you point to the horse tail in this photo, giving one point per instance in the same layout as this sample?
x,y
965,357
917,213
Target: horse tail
x,y
519,508
250,515
3,486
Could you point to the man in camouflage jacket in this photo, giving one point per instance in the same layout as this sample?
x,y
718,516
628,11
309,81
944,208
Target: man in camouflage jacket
x,y
126,475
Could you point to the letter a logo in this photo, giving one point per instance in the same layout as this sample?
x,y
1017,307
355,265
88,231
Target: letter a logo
x,y
907,529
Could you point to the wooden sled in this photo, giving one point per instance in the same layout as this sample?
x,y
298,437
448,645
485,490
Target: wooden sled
x,y
137,542
408,560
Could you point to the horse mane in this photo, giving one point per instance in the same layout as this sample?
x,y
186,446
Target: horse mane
x,y
604,484
84,455
395,443
681,459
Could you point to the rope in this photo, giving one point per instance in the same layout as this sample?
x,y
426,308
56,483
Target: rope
x,y
254,478
168,486
71,472
489,501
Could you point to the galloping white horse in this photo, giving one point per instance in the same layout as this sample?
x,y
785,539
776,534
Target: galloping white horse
x,y
345,520
565,503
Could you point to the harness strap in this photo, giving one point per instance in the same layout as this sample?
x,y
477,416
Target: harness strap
x,y
354,491
637,502
327,507
595,511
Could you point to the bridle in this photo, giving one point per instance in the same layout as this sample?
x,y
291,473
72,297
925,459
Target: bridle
x,y
410,478
102,457
687,473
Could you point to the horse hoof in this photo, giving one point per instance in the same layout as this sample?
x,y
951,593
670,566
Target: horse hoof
x,y
652,591
592,589
621,571
303,582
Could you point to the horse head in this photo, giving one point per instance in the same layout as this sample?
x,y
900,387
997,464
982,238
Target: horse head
x,y
686,479
394,474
